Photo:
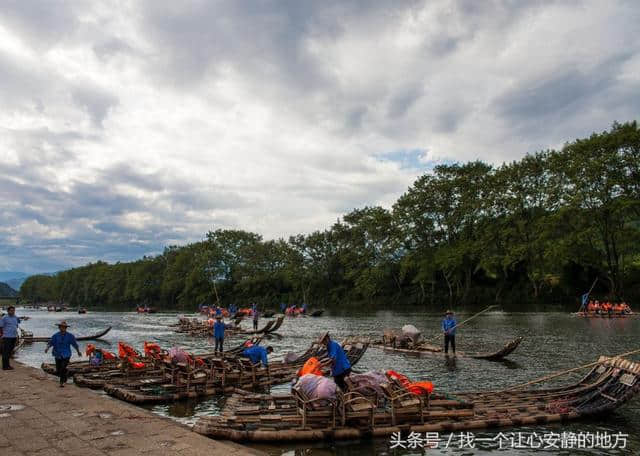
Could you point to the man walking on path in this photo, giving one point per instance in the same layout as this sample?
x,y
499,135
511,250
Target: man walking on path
x,y
62,342
218,332
449,328
9,335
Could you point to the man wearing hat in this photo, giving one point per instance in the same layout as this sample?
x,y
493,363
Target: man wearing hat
x,y
62,341
218,332
9,335
340,365
449,328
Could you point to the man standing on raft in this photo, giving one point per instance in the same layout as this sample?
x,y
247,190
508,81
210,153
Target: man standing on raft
x,y
449,328
62,342
340,365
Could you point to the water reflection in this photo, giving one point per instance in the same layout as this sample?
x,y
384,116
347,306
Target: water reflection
x,y
552,342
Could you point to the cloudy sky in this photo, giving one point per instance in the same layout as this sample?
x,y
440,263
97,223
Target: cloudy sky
x,y
128,126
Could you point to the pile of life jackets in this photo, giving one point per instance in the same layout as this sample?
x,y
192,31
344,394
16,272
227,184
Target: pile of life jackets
x,y
294,311
417,388
311,367
130,355
152,350
97,355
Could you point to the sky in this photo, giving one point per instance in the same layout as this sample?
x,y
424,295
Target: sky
x,y
129,126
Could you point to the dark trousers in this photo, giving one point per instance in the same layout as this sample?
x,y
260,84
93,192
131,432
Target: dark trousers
x,y
61,369
339,379
219,342
255,324
449,338
8,344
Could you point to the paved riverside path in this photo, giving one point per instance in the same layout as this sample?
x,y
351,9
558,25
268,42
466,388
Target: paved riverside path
x,y
37,417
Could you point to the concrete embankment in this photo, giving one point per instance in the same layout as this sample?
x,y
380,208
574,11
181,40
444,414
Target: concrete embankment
x,y
37,417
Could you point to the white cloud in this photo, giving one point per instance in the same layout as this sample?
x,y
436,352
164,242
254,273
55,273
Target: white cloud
x,y
127,126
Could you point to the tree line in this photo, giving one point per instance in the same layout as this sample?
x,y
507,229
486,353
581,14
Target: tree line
x,y
540,229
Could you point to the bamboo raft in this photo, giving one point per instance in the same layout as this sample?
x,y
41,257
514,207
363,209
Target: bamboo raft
x,y
358,414
118,372
604,315
432,350
84,367
220,377
29,338
197,327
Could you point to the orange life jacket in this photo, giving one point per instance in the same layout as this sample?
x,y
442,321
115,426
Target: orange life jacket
x,y
417,388
312,366
152,349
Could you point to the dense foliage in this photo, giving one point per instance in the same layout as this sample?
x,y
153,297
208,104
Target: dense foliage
x,y
538,229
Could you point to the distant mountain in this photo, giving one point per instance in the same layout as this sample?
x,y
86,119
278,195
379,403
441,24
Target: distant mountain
x,y
6,290
14,278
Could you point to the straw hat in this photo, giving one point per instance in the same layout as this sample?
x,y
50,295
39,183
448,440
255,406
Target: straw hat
x,y
218,317
62,323
449,312
324,337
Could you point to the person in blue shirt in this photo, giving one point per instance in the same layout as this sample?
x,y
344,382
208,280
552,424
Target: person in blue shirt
x,y
9,335
258,354
62,341
449,329
340,365
218,332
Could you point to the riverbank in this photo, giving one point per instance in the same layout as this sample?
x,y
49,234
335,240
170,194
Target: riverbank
x,y
37,417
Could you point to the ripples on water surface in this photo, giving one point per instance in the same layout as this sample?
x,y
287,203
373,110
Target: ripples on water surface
x,y
553,341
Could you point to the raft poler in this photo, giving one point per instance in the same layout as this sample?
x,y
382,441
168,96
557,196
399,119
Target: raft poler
x,y
340,365
449,329
218,332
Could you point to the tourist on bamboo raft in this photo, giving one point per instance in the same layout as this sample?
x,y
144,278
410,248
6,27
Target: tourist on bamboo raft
x,y
9,334
218,332
62,342
258,354
340,365
449,328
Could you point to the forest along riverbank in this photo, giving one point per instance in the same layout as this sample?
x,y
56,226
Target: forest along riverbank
x,y
39,418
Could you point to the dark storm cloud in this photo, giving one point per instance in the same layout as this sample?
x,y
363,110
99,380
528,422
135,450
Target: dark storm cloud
x,y
535,105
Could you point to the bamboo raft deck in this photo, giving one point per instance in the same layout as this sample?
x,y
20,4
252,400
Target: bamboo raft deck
x,y
432,350
357,414
217,377
604,315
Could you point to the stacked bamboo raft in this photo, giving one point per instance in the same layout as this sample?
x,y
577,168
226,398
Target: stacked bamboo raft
x,y
361,414
218,376
199,327
407,346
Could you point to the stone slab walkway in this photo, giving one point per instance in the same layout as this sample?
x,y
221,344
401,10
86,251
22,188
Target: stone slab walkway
x,y
37,417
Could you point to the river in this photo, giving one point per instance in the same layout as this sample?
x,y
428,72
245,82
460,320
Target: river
x,y
552,341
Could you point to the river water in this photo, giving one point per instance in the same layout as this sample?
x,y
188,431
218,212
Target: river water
x,y
553,341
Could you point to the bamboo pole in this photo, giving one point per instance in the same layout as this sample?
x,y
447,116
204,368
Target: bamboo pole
x,y
462,323
588,292
568,371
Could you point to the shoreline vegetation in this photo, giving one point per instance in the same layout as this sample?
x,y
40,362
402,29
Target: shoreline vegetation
x,y
532,232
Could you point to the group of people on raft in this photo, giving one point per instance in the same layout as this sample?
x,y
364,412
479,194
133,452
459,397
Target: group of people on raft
x,y
606,307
